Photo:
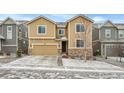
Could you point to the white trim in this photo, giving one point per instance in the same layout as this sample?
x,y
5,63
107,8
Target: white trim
x,y
28,37
110,32
17,36
9,32
45,44
80,15
41,17
69,44
78,48
41,37
42,33
61,29
76,43
121,33
76,26
9,45
102,50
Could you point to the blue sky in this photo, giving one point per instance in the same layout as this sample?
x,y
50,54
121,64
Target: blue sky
x,y
116,18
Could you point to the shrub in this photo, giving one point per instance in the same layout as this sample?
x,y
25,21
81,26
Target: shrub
x,y
19,53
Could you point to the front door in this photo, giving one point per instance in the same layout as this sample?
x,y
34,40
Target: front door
x,y
64,46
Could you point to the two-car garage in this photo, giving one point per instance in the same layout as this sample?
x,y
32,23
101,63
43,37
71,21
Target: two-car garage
x,y
45,50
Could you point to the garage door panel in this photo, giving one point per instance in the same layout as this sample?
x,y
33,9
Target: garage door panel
x,y
45,50
111,51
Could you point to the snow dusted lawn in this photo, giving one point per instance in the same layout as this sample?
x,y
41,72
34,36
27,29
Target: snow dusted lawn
x,y
34,61
116,58
3,56
89,64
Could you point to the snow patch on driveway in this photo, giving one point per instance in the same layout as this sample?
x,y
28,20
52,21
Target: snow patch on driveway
x,y
96,65
34,61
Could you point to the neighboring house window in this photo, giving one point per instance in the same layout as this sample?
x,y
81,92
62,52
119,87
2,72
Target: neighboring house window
x,y
121,33
26,34
23,42
107,33
79,27
41,29
80,43
9,32
61,31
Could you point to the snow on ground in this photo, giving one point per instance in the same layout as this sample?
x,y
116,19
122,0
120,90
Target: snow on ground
x,y
50,63
34,60
89,64
3,56
116,58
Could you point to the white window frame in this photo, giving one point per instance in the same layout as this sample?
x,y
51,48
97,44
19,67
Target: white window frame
x,y
42,33
76,43
24,42
9,32
122,32
26,34
63,31
107,33
76,27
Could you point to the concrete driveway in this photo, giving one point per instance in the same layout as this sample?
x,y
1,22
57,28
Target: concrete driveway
x,y
90,65
34,61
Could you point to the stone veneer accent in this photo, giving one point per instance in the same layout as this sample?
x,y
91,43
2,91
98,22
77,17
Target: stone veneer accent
x,y
80,53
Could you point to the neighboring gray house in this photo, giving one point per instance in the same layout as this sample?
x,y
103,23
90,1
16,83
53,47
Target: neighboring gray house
x,y
13,36
111,37
96,42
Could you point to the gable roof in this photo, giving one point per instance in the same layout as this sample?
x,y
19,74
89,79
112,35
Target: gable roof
x,y
61,24
108,21
80,15
39,18
8,19
120,25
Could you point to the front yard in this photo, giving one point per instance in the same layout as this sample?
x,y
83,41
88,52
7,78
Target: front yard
x,y
47,67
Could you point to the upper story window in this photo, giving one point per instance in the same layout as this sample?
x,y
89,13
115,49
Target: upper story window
x,y
121,33
108,33
79,27
42,29
61,31
9,32
26,34
79,43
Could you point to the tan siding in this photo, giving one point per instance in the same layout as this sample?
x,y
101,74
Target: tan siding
x,y
80,35
50,29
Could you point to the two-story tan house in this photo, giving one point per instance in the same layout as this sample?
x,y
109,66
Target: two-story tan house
x,y
73,37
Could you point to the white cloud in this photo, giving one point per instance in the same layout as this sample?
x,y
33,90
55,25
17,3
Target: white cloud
x,y
14,16
99,19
